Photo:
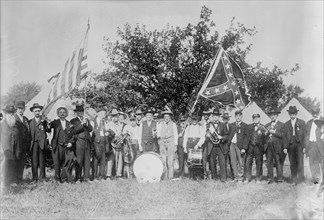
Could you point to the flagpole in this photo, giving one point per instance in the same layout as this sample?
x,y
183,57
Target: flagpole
x,y
85,80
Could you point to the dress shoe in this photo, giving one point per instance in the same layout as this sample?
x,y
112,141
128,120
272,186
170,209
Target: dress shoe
x,y
270,181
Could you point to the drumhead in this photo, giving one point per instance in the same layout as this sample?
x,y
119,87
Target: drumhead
x,y
148,167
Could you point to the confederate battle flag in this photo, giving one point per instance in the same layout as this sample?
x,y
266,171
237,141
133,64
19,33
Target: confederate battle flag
x,y
225,82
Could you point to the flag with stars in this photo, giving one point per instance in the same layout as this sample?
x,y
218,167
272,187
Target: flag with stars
x,y
225,82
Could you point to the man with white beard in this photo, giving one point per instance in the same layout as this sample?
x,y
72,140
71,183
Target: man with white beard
x,y
8,141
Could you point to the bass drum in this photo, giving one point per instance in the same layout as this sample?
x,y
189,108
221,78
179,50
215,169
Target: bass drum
x,y
148,167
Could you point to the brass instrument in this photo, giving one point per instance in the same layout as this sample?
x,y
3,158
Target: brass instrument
x,y
214,137
128,154
118,141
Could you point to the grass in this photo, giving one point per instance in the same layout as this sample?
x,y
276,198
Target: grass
x,y
127,199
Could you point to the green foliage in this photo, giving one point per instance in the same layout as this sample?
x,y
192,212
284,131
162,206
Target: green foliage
x,y
23,91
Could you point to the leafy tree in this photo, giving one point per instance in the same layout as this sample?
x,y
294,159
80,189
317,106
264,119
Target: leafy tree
x,y
23,91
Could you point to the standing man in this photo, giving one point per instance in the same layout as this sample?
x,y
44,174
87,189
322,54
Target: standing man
x,y
38,128
8,139
314,146
99,138
180,150
139,117
273,146
148,141
62,139
23,141
255,140
237,140
82,141
168,141
294,144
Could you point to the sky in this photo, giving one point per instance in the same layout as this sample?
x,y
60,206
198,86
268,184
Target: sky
x,y
38,36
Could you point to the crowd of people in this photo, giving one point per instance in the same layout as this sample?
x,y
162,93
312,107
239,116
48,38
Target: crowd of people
x,y
105,147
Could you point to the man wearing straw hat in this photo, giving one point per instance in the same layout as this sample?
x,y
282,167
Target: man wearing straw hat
x,y
294,144
62,139
168,140
82,140
24,137
38,128
147,141
273,146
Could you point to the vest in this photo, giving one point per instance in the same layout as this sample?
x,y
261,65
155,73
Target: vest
x,y
147,130
167,130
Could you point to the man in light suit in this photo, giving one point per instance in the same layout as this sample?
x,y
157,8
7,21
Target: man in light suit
x,y
273,146
294,144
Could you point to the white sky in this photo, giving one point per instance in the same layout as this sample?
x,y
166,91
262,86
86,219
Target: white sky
x,y
38,36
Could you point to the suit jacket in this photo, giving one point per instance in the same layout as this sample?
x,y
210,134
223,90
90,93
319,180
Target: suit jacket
x,y
255,137
241,132
24,137
80,131
276,138
300,128
319,142
60,133
8,140
225,133
43,142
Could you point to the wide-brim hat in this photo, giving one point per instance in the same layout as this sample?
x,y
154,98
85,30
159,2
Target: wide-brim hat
x,y
319,121
79,108
216,112
122,113
195,116
292,110
20,104
66,110
150,110
139,112
274,112
167,112
9,109
207,112
114,112
36,105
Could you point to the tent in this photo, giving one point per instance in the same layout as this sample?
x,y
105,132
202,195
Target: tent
x,y
302,113
251,109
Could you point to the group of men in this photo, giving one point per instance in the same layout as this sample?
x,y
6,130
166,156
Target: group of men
x,y
106,146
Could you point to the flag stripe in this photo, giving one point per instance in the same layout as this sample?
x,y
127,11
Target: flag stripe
x,y
71,71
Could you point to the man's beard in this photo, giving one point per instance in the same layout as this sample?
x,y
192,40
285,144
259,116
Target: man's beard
x,y
11,120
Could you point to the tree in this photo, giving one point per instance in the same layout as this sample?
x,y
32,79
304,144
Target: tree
x,y
23,91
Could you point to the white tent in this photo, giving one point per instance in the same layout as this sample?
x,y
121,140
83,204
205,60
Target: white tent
x,y
251,109
302,113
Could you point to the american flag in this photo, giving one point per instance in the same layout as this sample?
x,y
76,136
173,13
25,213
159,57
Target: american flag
x,y
74,71
225,82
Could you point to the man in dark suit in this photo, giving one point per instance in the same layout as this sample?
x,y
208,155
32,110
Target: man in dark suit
x,y
314,146
180,151
273,146
81,133
255,140
61,140
38,128
238,134
23,141
294,144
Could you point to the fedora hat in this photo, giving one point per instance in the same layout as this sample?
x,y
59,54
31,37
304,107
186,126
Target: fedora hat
x,y
183,118
274,112
292,110
65,109
150,110
79,108
315,111
20,104
207,112
114,112
238,112
36,105
167,112
216,112
9,109
319,121
139,112
226,116
256,115
195,116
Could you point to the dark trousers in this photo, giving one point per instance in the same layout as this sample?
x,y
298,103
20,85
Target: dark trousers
x,y
315,161
209,161
58,160
254,151
99,158
181,158
21,167
38,159
82,153
149,146
296,159
273,156
222,163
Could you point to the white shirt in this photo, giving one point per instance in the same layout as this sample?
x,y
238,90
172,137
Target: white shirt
x,y
312,134
293,122
234,139
132,131
63,123
161,125
194,131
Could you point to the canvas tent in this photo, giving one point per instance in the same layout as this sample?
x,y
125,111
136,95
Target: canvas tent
x,y
251,109
302,113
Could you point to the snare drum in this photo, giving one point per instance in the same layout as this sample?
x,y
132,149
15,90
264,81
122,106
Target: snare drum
x,y
148,167
194,157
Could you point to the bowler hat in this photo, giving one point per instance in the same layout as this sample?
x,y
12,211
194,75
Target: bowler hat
x,y
66,110
9,109
226,116
216,112
79,108
256,115
238,112
274,112
183,118
20,104
150,110
319,121
292,110
36,105
167,112
315,111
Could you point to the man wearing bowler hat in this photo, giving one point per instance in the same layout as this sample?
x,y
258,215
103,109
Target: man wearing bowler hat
x,y
38,129
168,141
148,140
314,145
24,137
82,140
294,144
61,141
273,145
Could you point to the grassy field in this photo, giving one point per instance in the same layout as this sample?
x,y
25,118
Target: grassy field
x,y
183,199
